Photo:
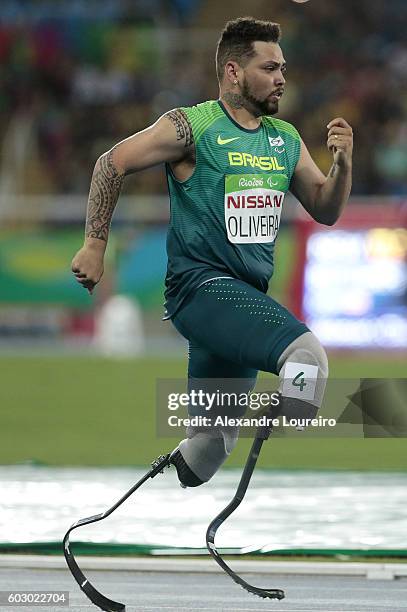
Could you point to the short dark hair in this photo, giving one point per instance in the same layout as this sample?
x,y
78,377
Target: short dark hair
x,y
237,38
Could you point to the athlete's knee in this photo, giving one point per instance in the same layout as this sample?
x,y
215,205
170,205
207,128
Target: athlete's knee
x,y
198,458
306,350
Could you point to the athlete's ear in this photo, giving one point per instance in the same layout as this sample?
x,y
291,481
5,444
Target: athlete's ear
x,y
231,73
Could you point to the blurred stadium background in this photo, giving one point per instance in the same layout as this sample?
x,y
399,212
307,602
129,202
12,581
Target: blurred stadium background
x,y
76,77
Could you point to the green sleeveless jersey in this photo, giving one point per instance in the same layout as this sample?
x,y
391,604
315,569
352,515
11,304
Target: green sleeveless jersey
x,y
225,217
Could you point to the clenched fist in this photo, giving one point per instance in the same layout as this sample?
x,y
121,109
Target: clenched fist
x,y
340,141
87,265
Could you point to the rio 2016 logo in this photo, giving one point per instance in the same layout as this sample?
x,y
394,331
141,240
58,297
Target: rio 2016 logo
x,y
254,182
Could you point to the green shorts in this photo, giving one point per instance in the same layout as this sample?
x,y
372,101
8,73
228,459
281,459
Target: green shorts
x,y
234,330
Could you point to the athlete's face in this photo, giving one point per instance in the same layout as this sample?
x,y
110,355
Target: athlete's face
x,y
263,79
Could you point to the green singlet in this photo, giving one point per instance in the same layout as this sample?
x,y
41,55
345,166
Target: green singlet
x,y
225,217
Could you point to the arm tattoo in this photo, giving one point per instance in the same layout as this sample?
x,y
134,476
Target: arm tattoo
x,y
234,100
182,124
105,189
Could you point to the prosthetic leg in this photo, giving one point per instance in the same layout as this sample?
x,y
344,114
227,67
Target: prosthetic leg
x,y
104,603
262,433
291,408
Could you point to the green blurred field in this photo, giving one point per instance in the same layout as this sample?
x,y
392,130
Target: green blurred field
x,y
94,411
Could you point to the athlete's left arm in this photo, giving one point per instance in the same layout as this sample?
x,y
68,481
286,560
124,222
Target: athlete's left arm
x,y
325,197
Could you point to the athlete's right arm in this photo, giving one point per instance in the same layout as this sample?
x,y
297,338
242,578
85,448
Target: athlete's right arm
x,y
170,139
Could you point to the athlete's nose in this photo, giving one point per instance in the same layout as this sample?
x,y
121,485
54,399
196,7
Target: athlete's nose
x,y
280,80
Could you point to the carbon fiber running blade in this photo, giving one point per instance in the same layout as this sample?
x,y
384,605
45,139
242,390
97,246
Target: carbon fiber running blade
x,y
104,603
261,435
264,593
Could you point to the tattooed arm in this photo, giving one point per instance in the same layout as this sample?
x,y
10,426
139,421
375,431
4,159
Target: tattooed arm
x,y
104,191
325,197
170,139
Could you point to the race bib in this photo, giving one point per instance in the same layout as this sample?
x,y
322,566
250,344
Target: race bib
x,y
253,204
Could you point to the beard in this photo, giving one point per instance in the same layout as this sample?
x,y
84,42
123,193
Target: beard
x,y
257,106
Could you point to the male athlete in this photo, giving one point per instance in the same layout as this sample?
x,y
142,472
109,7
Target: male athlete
x,y
229,163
